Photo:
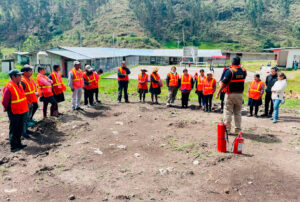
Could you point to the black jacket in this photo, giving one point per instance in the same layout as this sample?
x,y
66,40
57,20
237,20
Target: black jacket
x,y
270,81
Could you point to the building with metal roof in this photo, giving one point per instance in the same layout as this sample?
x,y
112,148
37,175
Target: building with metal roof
x,y
109,58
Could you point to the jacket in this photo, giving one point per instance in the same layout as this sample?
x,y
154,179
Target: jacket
x,y
278,90
270,81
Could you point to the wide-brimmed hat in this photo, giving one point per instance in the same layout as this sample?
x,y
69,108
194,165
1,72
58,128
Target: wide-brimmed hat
x,y
155,69
144,69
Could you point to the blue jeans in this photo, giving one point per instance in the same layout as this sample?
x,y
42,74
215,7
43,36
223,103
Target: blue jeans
x,y
276,109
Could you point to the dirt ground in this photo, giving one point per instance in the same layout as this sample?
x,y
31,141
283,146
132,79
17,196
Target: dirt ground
x,y
144,152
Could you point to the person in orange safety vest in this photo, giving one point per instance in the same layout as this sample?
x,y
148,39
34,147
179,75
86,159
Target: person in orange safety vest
x,y
186,85
15,104
255,93
46,93
90,84
75,82
172,82
58,86
209,88
29,88
199,88
143,84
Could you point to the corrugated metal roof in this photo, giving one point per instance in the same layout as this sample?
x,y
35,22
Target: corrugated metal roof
x,y
121,52
69,54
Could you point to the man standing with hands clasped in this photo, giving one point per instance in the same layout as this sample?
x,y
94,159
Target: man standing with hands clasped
x,y
233,81
76,84
123,80
15,104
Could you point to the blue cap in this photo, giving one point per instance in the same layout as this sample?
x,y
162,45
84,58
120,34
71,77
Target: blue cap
x,y
15,72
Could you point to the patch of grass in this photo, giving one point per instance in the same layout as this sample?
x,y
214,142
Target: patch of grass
x,y
183,147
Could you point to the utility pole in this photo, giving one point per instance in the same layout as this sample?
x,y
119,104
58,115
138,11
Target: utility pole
x,y
183,37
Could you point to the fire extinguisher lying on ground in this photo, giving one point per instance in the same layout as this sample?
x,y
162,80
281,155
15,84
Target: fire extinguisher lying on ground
x,y
223,140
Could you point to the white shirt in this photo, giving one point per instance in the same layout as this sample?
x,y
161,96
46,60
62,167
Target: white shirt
x,y
278,89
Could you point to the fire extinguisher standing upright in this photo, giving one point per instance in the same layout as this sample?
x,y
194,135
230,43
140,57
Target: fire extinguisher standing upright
x,y
238,144
222,137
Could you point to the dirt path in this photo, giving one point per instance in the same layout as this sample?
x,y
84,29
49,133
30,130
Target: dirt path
x,y
143,152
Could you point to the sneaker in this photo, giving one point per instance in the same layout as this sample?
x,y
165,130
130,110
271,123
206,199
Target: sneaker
x,y
271,118
30,124
98,101
119,101
93,105
33,121
79,108
22,146
256,116
127,101
209,110
274,121
249,115
264,115
168,104
15,149
29,132
221,111
26,136
85,106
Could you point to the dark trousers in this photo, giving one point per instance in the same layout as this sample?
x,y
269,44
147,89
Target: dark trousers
x,y
256,110
96,94
222,98
53,108
143,95
89,96
268,101
185,99
123,85
201,99
16,125
208,102
35,107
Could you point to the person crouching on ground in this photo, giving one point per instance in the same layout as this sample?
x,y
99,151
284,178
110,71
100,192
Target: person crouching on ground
x,y
209,88
143,84
58,86
172,81
156,84
98,73
28,85
90,85
15,104
186,85
278,94
199,88
256,91
46,93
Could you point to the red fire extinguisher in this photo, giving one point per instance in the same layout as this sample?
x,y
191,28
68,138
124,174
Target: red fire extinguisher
x,y
222,137
238,144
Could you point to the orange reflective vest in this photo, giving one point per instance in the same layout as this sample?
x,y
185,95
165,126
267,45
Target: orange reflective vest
x,y
44,86
143,79
77,78
123,71
92,80
200,82
30,90
209,86
18,99
58,86
255,89
156,78
186,82
173,79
